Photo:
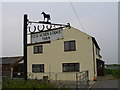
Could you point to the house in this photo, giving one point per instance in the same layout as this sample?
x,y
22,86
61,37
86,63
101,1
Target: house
x,y
65,52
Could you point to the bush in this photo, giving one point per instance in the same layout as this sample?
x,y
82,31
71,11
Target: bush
x,y
108,71
114,73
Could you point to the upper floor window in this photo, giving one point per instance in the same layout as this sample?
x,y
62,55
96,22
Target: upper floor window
x,y
69,46
97,52
38,49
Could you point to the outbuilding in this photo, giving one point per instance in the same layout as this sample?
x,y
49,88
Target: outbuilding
x,y
11,65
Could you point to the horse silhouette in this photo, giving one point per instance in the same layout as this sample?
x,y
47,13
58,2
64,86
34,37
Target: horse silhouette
x,y
47,16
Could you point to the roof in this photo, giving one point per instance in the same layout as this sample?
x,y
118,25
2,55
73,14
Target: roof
x,y
10,60
95,42
99,60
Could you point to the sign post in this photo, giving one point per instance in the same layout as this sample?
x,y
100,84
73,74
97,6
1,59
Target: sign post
x,y
53,33
25,46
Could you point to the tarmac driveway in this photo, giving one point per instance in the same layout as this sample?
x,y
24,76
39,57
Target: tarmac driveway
x,y
106,84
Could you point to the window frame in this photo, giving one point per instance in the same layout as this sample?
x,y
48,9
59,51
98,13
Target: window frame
x,y
38,67
67,66
38,49
71,45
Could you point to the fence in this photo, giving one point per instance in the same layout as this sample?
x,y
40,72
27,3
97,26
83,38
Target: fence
x,y
68,79
12,74
82,79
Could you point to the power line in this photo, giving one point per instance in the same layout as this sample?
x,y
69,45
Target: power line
x,y
76,15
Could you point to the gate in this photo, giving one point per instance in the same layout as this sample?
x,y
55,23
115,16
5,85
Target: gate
x,y
82,79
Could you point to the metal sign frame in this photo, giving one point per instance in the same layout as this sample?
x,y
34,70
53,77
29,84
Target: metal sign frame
x,y
46,26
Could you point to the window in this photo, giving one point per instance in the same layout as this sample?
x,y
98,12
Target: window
x,y
36,68
97,52
69,46
38,49
70,67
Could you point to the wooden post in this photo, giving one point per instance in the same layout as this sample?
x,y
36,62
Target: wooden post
x,y
11,73
77,81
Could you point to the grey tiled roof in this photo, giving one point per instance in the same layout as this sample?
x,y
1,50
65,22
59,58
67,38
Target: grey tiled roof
x,y
9,60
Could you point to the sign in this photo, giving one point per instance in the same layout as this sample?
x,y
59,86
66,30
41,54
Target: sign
x,y
47,36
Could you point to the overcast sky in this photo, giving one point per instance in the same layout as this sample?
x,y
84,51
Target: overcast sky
x,y
98,19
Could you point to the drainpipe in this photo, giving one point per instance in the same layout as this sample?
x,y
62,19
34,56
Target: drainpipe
x,y
94,63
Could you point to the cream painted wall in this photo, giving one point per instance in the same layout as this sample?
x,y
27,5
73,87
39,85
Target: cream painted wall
x,y
53,55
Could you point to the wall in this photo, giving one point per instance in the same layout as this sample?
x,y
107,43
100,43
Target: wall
x,y
53,54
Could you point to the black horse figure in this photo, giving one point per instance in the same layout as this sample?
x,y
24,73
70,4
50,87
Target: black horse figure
x,y
47,16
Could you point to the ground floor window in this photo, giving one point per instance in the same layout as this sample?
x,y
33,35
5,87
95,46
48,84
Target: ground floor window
x,y
36,68
70,67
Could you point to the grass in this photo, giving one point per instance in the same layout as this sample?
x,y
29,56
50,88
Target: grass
x,y
30,84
